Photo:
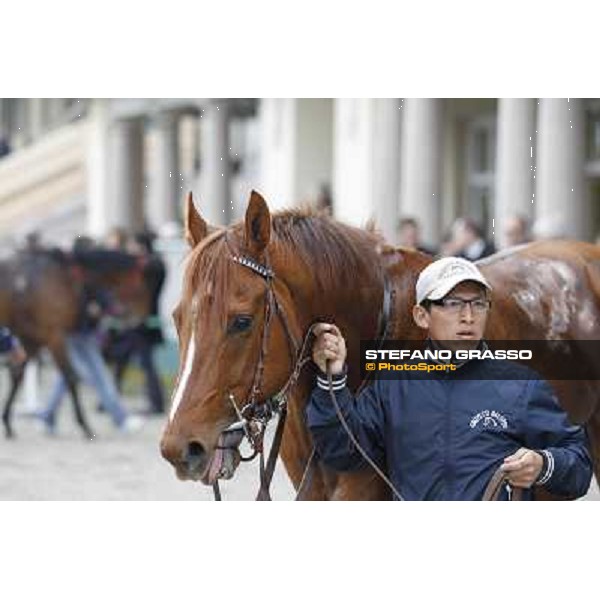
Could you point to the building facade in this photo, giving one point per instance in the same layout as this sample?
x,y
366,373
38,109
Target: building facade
x,y
71,166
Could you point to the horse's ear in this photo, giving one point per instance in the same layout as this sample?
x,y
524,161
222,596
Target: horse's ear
x,y
258,224
196,228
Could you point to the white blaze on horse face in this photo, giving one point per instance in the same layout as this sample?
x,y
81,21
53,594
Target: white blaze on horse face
x,y
185,375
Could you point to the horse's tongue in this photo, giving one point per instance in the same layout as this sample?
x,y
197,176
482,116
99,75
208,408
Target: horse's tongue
x,y
215,466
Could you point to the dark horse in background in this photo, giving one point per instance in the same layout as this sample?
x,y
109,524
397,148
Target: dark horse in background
x,y
40,300
325,270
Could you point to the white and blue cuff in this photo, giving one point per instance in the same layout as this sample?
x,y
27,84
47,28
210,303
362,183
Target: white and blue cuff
x,y
338,381
549,462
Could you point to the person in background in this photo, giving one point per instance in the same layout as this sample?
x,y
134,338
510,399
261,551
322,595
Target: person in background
x,y
468,240
11,346
409,235
516,230
324,201
86,359
4,145
139,342
118,239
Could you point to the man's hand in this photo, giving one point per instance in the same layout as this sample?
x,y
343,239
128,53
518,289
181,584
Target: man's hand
x,y
17,355
523,467
329,345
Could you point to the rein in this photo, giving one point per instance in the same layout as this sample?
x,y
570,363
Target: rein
x,y
494,487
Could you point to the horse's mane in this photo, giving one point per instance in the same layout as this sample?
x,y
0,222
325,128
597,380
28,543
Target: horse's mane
x,y
331,250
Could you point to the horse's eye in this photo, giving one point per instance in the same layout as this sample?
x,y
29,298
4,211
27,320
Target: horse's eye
x,y
239,323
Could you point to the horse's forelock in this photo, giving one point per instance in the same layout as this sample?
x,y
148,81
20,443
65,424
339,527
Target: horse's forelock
x,y
206,276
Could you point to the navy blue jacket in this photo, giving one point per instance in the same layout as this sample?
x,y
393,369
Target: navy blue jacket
x,y
442,438
7,340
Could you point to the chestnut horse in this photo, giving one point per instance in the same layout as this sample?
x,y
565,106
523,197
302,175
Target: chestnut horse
x,y
279,274
40,299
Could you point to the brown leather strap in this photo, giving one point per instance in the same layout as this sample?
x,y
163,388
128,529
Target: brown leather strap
x,y
494,487
217,490
266,472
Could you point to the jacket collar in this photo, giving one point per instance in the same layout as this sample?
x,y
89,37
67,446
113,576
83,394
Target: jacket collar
x,y
434,345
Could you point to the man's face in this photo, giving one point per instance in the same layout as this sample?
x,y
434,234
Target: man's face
x,y
460,325
409,236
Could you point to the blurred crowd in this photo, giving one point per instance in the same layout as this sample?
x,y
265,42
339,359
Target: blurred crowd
x,y
103,344
466,237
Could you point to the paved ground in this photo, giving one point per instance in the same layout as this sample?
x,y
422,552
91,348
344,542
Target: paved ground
x,y
113,467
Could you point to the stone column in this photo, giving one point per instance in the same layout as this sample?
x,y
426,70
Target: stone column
x,y
127,174
421,160
36,118
561,200
215,201
165,195
366,164
386,164
296,149
516,155
98,221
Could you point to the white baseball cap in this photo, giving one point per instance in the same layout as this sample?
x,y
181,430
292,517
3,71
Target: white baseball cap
x,y
441,276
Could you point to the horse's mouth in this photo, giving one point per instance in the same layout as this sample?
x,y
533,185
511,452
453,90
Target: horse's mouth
x,y
224,459
222,465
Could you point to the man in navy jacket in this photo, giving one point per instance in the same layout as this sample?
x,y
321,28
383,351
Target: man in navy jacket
x,y
10,345
443,437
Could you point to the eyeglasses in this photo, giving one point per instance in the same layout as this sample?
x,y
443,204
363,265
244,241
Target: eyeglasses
x,y
457,305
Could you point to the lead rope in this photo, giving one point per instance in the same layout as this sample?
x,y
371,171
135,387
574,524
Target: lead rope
x,y
307,475
494,488
353,439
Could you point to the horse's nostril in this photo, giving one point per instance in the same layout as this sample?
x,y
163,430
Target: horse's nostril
x,y
195,455
195,449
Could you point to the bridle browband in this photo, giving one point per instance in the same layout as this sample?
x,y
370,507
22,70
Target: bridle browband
x,y
254,415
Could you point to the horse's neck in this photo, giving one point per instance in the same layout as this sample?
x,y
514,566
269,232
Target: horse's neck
x,y
402,268
350,298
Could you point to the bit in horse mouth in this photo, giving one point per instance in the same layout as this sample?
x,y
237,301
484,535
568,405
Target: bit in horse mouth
x,y
222,465
225,458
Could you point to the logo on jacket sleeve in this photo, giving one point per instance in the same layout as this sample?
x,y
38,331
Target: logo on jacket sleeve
x,y
489,419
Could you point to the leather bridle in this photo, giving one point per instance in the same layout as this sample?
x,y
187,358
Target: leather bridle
x,y
254,415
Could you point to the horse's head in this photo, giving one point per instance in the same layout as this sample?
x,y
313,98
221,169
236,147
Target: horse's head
x,y
234,312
